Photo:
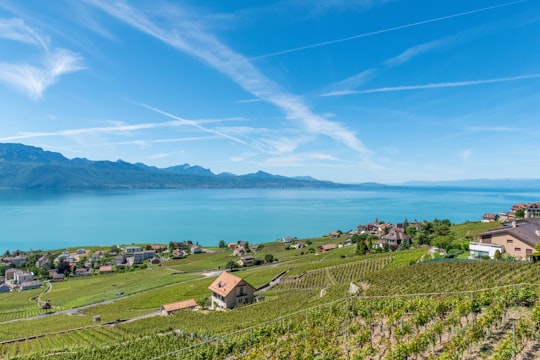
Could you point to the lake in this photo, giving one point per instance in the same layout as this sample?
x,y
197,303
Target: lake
x,y
59,219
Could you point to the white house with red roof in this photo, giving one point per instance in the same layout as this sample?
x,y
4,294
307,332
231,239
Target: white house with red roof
x,y
229,291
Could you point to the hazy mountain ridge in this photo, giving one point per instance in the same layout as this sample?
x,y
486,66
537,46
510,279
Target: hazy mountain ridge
x,y
30,167
480,183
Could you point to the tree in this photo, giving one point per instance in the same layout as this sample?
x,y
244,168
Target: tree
x,y
442,242
231,265
221,244
63,267
268,258
520,213
497,255
361,247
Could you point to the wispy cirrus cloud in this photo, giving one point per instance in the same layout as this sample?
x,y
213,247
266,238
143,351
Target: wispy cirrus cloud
x,y
415,51
119,128
17,30
448,84
34,79
347,86
382,31
192,39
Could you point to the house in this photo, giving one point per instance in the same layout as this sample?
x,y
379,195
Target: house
x,y
82,272
43,262
347,242
246,260
242,243
10,273
479,250
158,247
15,260
232,245
133,249
28,285
518,239
138,257
532,211
22,277
149,254
169,309
489,217
105,269
229,291
119,260
80,252
196,249
254,248
395,237
239,251
177,253
57,276
327,247
300,245
334,234
288,239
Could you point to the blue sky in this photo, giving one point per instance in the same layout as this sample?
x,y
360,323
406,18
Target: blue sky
x,y
349,91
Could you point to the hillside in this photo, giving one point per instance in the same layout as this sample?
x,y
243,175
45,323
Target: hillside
x,y
405,308
29,167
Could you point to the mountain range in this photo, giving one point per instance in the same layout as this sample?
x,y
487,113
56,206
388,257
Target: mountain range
x,y
29,167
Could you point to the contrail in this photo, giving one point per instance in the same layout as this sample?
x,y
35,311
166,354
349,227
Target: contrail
x,y
448,84
330,42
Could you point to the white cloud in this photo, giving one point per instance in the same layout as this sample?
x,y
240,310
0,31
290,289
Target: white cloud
x,y
34,79
17,30
190,38
347,86
449,84
414,51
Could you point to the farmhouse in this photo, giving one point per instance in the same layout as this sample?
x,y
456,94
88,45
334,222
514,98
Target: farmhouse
x,y
517,239
229,291
246,260
327,247
169,309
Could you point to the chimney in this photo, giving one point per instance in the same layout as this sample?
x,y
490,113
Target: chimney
x,y
514,224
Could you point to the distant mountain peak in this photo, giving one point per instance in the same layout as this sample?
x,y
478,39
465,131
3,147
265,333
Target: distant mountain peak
x,y
29,167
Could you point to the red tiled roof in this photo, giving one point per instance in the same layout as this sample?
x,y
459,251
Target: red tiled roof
x,y
186,304
225,283
105,268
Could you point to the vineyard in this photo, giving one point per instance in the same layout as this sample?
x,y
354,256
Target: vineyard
x,y
497,324
406,310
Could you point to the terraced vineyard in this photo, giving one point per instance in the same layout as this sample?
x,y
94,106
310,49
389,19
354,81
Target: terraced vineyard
x,y
340,274
434,310
442,326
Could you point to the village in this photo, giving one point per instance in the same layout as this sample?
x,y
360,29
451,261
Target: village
x,y
517,237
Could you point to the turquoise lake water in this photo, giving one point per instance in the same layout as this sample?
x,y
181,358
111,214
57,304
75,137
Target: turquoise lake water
x,y
53,220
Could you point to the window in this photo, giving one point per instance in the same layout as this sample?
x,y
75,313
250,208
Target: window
x,y
528,252
509,241
517,249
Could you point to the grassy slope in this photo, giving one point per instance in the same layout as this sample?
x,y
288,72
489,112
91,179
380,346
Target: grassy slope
x,y
151,288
